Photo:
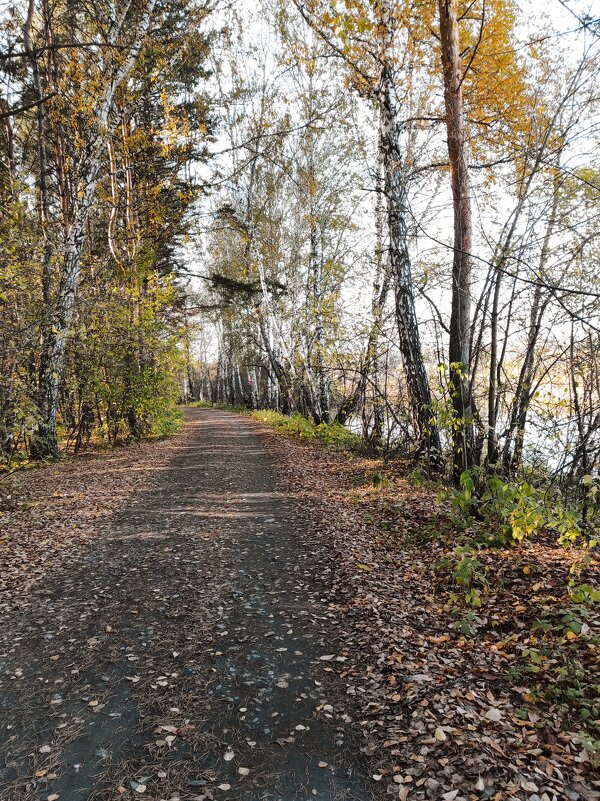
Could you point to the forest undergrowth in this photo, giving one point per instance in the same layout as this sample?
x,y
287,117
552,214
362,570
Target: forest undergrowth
x,y
472,647
470,656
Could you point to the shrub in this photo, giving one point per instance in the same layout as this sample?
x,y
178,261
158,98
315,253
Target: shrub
x,y
167,422
517,510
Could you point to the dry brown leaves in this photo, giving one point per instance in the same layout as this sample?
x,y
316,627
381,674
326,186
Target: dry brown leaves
x,y
444,691
51,511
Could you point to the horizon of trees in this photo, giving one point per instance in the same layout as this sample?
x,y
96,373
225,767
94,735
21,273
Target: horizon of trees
x,y
377,214
402,234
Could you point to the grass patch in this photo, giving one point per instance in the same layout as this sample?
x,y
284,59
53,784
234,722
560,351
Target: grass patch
x,y
223,407
296,426
304,430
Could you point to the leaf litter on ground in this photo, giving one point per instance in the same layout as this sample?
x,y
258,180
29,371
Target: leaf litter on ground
x,y
452,700
455,701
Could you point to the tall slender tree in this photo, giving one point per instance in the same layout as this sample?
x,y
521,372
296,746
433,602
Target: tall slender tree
x,y
459,350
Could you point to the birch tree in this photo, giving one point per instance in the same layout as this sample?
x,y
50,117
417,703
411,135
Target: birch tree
x,y
375,73
129,25
99,131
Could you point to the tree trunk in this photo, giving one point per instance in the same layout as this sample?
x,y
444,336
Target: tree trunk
x,y
41,154
56,329
253,381
55,339
524,390
322,406
419,394
459,351
323,394
380,291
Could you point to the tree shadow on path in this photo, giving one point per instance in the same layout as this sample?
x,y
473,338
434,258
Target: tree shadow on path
x,y
180,656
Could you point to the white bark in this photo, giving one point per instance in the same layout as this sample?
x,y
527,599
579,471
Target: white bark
x,y
89,166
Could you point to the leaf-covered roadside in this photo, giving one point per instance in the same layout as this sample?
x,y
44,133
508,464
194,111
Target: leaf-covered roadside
x,y
475,671
49,513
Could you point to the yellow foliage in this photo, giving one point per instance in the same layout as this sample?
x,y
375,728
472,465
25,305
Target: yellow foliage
x,y
495,84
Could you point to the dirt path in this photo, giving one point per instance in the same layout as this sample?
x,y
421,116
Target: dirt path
x,y
180,655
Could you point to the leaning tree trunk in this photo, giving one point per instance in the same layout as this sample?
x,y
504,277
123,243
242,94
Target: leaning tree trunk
x,y
525,390
419,394
369,369
459,351
56,332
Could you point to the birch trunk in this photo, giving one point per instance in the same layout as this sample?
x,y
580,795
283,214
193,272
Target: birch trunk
x,y
419,394
253,380
56,333
321,411
370,368
380,292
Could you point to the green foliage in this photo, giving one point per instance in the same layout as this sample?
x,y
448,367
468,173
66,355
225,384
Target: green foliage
x,y
20,310
585,593
565,683
466,572
124,364
380,481
562,638
467,569
332,434
467,624
592,747
120,375
517,510
563,622
167,423
463,499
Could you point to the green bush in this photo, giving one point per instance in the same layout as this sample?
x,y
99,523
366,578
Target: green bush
x,y
517,510
166,423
